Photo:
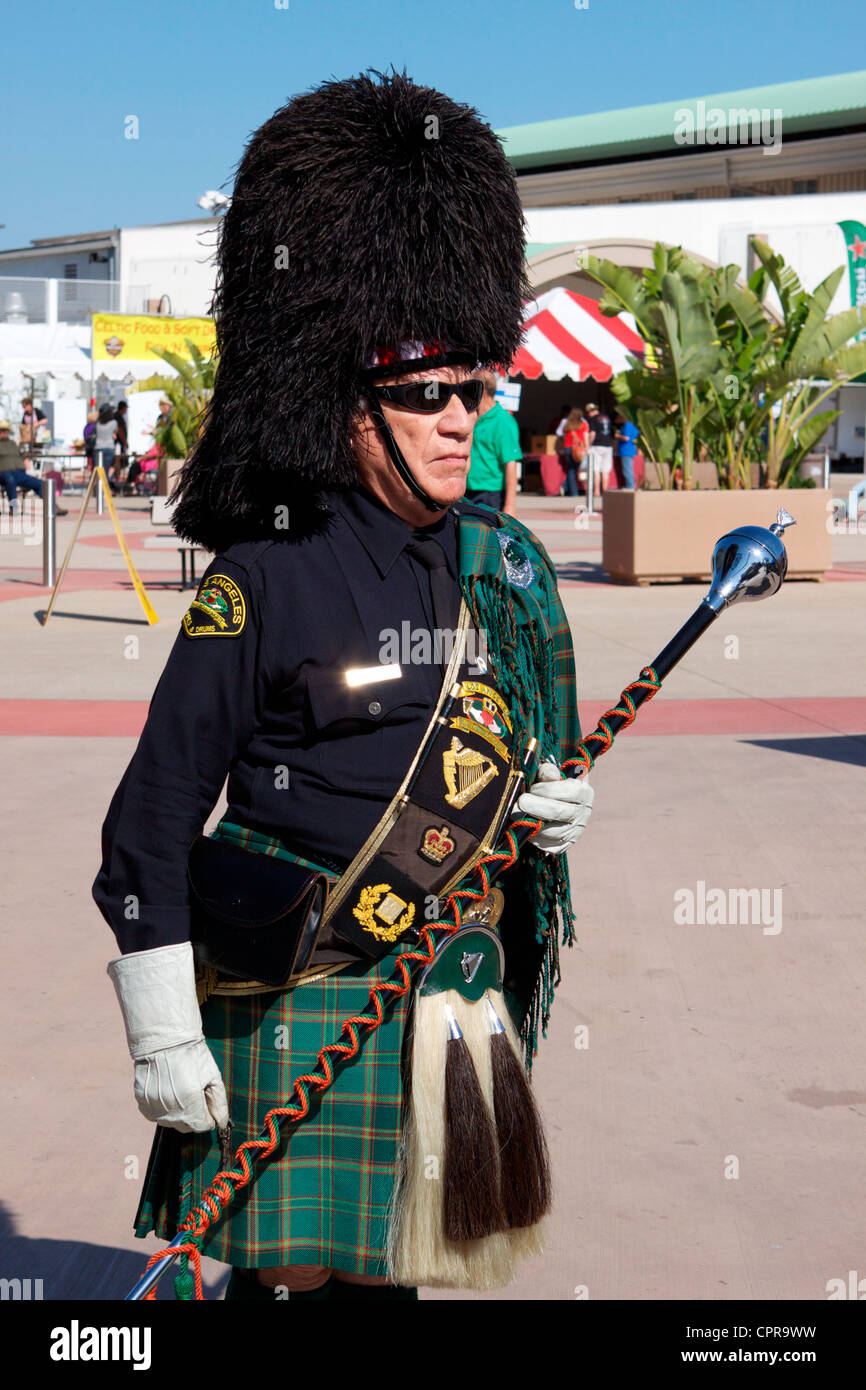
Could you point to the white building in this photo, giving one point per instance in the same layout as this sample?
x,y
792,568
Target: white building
x,y
164,268
784,164
49,290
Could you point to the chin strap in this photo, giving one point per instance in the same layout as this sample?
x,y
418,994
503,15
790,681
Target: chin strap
x,y
397,458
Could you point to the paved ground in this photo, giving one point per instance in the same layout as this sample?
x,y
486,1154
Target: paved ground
x,y
704,1082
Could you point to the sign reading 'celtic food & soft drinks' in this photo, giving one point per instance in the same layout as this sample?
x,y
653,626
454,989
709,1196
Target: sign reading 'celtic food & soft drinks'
x,y
132,337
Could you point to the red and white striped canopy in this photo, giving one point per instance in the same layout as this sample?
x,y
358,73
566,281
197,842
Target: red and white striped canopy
x,y
567,335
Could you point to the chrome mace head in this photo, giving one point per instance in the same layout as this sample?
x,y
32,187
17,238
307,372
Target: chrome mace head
x,y
749,563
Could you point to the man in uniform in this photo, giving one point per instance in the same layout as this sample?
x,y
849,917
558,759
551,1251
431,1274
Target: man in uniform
x,y
370,262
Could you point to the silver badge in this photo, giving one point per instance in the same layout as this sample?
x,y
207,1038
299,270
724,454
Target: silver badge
x,y
518,566
469,964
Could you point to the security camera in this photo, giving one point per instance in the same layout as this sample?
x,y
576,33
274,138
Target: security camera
x,y
213,201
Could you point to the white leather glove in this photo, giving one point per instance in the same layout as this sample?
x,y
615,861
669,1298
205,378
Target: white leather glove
x,y
177,1082
563,803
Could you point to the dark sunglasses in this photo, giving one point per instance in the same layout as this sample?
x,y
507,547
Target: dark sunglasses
x,y
430,397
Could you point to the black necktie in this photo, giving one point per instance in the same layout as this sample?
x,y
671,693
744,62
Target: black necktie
x,y
444,590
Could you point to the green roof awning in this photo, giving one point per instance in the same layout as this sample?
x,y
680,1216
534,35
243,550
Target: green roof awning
x,y
814,104
535,248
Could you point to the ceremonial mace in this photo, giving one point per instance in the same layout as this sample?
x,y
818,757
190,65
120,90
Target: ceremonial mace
x,y
749,563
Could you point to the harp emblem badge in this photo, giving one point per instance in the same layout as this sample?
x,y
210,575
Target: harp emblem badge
x,y
466,773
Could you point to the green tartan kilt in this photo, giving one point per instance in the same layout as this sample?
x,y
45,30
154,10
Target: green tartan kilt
x,y
324,1195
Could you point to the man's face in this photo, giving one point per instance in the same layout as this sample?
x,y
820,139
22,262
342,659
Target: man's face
x,y
436,447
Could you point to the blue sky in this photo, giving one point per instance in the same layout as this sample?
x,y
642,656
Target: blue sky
x,y
201,76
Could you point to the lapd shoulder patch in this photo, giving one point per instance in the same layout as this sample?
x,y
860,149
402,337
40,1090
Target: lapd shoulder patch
x,y
218,609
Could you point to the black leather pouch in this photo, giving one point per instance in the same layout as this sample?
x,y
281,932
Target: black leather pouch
x,y
253,916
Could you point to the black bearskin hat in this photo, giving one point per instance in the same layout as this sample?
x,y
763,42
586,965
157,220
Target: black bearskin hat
x,y
366,213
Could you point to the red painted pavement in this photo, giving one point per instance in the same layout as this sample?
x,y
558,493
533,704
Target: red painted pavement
x,y
809,715
74,718
846,571
134,539
25,583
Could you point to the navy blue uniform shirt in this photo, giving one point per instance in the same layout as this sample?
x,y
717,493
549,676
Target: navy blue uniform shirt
x,y
308,758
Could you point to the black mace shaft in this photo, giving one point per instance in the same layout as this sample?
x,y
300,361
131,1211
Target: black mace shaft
x,y
591,746
748,563
664,663
683,640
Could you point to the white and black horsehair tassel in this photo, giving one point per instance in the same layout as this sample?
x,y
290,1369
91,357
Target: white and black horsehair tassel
x,y
523,1153
419,1252
472,1190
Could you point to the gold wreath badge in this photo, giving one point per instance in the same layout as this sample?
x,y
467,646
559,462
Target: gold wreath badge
x,y
373,903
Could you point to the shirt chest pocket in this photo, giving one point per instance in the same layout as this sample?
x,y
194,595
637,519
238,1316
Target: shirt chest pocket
x,y
337,708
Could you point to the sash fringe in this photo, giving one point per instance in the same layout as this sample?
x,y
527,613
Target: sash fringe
x,y
524,665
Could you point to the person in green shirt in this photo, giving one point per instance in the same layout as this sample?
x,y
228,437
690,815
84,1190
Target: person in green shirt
x,y
496,451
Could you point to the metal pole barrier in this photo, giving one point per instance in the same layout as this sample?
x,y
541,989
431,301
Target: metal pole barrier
x,y
826,469
590,482
100,496
857,491
49,531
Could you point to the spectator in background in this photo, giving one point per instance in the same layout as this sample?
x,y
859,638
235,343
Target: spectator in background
x,y
89,436
496,452
121,424
122,433
602,436
575,442
13,471
557,424
135,481
105,438
138,482
626,435
164,416
601,443
31,418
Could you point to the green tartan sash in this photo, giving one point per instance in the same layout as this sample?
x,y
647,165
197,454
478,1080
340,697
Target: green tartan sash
x,y
269,844
530,647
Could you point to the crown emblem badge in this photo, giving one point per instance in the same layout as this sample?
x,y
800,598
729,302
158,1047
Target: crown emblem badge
x,y
436,844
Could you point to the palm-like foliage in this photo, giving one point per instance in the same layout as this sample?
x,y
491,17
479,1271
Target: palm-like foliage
x,y
721,372
189,393
811,356
667,394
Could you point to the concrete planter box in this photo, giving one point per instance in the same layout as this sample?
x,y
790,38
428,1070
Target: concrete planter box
x,y
167,475
653,536
704,475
